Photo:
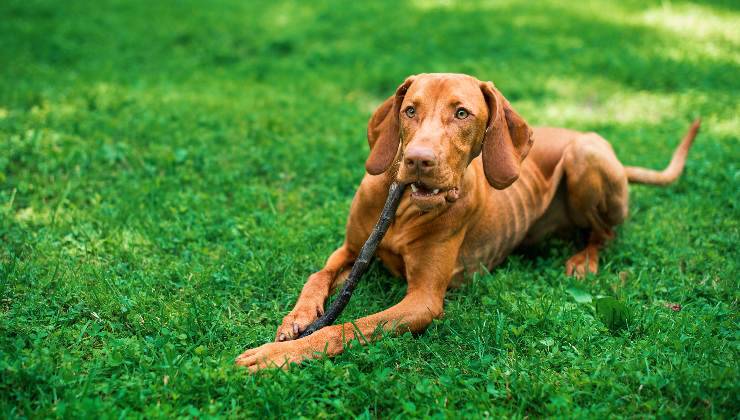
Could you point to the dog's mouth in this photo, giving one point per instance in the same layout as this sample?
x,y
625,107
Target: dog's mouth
x,y
426,196
420,190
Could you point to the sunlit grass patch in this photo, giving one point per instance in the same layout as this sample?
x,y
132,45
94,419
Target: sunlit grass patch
x,y
695,21
594,101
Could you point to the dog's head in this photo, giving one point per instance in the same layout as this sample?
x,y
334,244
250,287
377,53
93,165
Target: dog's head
x,y
435,125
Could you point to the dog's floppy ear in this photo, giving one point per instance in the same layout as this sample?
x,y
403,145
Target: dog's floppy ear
x,y
382,131
507,140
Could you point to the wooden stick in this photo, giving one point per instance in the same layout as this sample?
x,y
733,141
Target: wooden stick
x,y
362,262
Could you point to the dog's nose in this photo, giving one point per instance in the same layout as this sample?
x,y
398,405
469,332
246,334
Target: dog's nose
x,y
421,158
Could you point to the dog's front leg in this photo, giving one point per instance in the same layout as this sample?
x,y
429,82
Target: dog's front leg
x,y
413,313
310,304
429,272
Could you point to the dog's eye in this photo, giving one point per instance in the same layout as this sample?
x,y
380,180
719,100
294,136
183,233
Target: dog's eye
x,y
410,111
461,114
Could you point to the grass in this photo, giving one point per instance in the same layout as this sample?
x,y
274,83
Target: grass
x,y
171,172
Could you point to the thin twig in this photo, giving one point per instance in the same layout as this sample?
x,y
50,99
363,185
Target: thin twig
x,y
362,262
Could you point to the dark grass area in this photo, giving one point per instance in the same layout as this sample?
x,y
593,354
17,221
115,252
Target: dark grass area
x,y
171,172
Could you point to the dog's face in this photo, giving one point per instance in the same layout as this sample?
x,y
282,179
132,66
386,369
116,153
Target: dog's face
x,y
441,122
435,125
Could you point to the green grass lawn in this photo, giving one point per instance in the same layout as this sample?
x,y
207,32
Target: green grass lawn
x,y
171,172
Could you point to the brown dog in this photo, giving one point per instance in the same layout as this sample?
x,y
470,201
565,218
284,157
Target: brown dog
x,y
473,198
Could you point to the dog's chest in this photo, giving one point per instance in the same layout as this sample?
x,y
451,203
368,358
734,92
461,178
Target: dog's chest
x,y
390,252
405,239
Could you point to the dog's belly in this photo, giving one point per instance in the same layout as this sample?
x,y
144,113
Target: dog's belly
x,y
508,219
482,251
554,221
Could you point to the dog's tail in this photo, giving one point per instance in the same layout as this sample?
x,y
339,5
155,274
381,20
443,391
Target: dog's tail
x,y
673,171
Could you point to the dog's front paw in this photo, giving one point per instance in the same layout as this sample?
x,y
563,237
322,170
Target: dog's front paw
x,y
298,320
275,355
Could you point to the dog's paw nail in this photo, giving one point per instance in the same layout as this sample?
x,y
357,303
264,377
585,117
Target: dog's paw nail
x,y
319,312
296,329
282,337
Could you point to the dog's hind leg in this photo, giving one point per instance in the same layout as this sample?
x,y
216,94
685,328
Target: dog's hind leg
x,y
597,197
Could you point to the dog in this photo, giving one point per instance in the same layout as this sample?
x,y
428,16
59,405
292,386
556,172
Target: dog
x,y
481,183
